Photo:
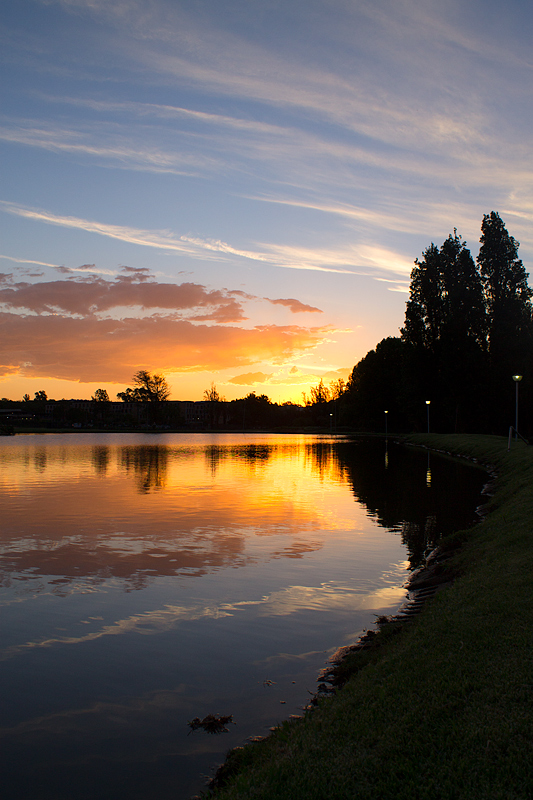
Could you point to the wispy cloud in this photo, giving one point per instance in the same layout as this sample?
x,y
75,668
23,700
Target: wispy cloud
x,y
29,261
165,240
118,147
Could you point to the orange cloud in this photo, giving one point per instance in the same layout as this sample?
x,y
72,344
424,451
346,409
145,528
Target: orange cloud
x,y
294,305
90,328
251,378
94,349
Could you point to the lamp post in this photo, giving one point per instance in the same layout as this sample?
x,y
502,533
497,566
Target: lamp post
x,y
516,379
386,432
427,404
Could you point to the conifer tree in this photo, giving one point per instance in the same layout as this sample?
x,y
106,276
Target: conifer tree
x,y
507,294
509,310
445,324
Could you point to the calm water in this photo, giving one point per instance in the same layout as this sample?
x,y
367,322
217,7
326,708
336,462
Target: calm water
x,y
150,579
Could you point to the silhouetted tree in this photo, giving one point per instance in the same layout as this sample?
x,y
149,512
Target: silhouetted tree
x,y
212,395
100,396
41,396
446,326
508,300
376,385
214,399
148,388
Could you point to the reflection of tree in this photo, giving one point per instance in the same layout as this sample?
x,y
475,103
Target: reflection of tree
x,y
397,494
252,454
149,463
40,459
324,459
100,458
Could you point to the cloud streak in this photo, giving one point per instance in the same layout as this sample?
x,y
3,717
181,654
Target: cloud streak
x,y
165,240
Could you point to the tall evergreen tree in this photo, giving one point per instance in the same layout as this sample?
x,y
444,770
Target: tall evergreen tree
x,y
445,298
510,332
508,296
445,324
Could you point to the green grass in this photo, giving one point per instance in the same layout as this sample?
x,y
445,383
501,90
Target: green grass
x,y
445,708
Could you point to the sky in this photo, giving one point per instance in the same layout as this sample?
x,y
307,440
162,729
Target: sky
x,y
235,191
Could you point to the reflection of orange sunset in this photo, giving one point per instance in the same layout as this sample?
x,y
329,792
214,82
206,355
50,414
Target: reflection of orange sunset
x,y
203,508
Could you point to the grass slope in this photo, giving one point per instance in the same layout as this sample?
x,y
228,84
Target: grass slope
x,y
443,710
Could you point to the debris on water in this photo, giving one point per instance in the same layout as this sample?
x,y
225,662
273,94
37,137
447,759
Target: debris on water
x,y
268,682
211,724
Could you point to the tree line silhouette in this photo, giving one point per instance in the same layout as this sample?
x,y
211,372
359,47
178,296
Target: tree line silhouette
x,y
468,329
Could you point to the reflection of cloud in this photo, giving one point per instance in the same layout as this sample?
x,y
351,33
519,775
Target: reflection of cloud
x,y
292,600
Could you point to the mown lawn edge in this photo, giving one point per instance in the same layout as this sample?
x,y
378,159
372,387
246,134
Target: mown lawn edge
x,y
443,710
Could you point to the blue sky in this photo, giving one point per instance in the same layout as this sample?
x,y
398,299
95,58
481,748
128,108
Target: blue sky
x,y
236,191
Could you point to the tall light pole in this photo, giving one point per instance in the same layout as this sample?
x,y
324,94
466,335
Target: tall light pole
x,y
427,404
516,379
386,432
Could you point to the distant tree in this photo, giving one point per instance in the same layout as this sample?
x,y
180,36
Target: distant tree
x,y
211,395
214,399
337,388
26,398
41,396
148,388
100,396
320,394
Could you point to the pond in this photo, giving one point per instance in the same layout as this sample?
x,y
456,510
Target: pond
x,y
151,579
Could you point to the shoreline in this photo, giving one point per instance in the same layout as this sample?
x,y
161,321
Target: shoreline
x,y
364,673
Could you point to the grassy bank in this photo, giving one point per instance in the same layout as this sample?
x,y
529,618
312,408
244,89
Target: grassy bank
x,y
445,708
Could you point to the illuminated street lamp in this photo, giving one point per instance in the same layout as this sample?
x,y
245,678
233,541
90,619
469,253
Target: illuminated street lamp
x,y
516,379
427,404
386,412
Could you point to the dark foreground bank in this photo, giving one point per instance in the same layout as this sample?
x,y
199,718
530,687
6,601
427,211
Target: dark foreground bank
x,y
444,707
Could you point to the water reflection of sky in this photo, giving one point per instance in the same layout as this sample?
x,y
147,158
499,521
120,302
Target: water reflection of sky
x,y
140,511
147,580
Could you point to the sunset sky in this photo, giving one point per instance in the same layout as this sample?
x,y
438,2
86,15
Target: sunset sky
x,y
235,190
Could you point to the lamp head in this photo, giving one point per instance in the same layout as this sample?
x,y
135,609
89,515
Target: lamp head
x,y
517,378
428,402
